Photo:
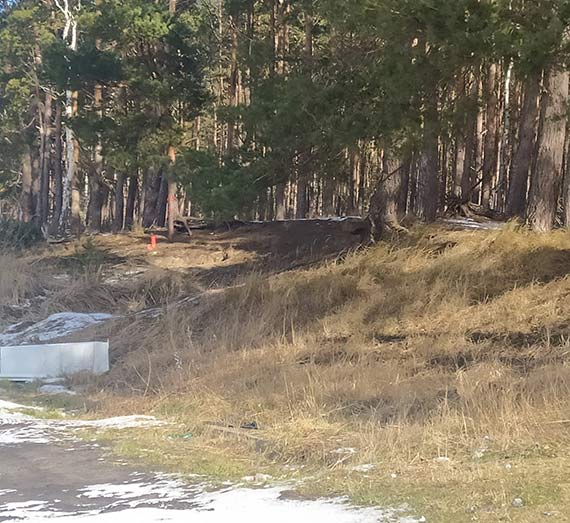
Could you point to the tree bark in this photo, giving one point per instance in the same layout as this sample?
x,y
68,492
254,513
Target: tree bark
x,y
98,193
45,158
547,178
233,84
460,145
404,187
72,177
162,200
97,187
26,197
471,140
57,169
131,202
304,171
385,205
152,183
490,144
119,218
525,151
36,171
429,166
505,141
172,200
280,210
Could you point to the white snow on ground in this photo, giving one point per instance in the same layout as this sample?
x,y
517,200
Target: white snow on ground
x,y
164,489
55,326
120,422
468,223
10,415
336,219
27,429
235,505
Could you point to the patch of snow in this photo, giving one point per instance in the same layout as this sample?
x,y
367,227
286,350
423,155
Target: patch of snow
x,y
19,510
468,223
120,422
9,414
122,276
367,467
239,505
348,450
55,326
27,429
338,219
164,490
259,478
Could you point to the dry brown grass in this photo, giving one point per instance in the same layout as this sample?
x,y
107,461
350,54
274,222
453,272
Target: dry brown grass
x,y
444,344
20,280
15,279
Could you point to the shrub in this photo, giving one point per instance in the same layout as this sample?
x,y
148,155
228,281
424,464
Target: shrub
x,y
18,235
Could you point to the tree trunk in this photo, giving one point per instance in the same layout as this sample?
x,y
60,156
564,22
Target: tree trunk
x,y
524,153
45,159
363,169
459,165
385,205
404,187
302,206
152,183
429,166
26,198
490,145
328,182
280,210
505,142
131,202
71,192
566,182
233,84
98,193
172,200
97,187
304,171
478,153
118,222
162,200
36,170
469,173
547,178
460,145
57,169
72,174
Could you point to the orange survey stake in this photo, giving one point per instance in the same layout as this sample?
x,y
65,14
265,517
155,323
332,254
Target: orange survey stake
x,y
153,242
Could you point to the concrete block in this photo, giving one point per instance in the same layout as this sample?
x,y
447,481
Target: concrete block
x,y
53,360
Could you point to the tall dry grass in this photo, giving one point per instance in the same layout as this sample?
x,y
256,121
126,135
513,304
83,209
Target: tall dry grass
x,y
423,346
18,280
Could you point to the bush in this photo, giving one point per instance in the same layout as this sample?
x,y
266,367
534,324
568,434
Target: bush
x,y
18,235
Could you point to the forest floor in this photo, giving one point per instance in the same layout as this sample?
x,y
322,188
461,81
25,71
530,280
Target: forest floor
x,y
430,371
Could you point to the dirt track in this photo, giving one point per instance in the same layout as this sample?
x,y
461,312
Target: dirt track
x,y
47,473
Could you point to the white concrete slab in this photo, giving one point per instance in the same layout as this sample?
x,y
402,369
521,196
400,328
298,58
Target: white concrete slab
x,y
53,360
